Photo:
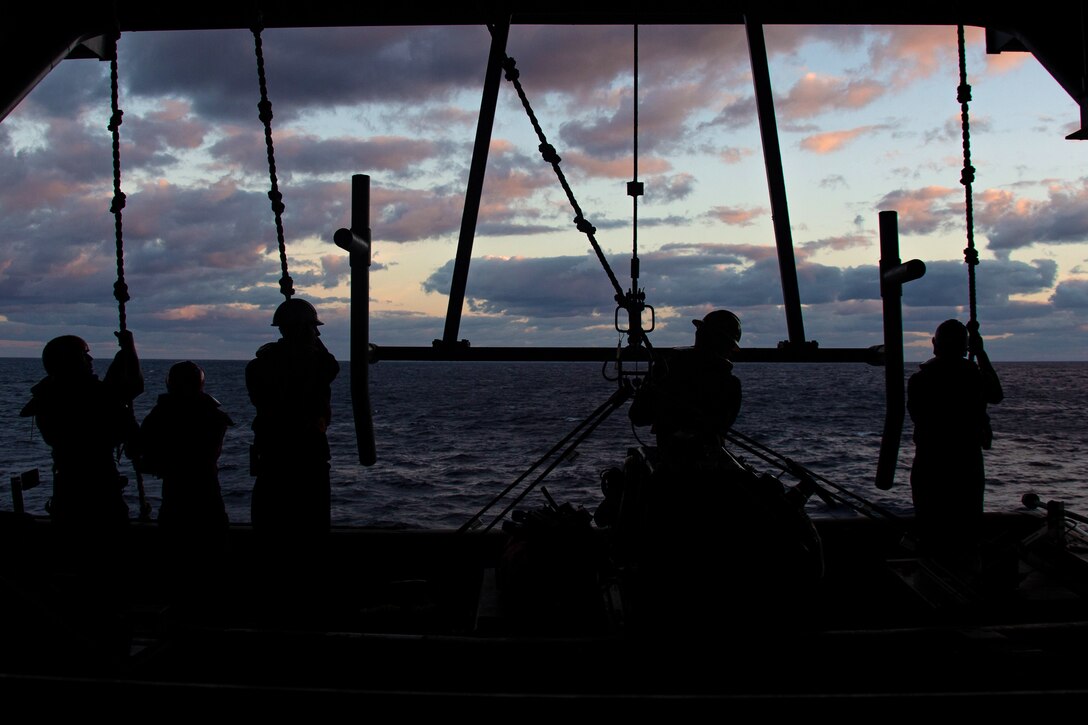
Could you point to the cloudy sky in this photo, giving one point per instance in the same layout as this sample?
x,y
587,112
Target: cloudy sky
x,y
868,121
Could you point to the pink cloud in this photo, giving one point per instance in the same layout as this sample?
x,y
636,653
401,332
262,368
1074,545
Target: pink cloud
x,y
815,94
921,210
737,216
825,143
920,51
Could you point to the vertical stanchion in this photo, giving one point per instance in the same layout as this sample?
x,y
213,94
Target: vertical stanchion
x,y
356,241
893,275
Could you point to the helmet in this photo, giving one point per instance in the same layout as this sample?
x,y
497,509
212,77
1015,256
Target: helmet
x,y
719,321
66,355
185,378
294,311
950,339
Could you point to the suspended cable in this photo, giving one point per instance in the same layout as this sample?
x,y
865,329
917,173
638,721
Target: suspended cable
x,y
634,189
862,505
588,426
550,155
635,299
265,114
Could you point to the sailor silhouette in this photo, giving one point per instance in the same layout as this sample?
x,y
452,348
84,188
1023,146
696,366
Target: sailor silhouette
x,y
180,442
290,384
947,401
692,396
84,421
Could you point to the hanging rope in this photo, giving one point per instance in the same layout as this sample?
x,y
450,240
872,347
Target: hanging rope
x,y
120,289
265,113
967,177
552,157
635,188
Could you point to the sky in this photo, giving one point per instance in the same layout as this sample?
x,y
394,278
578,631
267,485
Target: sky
x,y
868,121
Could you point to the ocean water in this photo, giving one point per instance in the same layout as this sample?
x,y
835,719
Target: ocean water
x,y
450,437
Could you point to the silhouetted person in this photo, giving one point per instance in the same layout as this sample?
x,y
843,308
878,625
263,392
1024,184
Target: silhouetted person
x,y
290,384
84,420
692,397
947,401
180,441
696,508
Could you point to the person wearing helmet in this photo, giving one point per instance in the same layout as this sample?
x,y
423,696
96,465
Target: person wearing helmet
x,y
290,385
180,442
84,421
692,396
947,399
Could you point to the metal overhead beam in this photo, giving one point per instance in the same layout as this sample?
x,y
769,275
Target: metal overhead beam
x,y
35,41
466,353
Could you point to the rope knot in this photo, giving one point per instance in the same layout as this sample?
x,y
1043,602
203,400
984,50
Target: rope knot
x,y
264,106
287,285
549,153
970,256
115,121
967,176
584,226
963,93
118,202
120,291
510,66
277,201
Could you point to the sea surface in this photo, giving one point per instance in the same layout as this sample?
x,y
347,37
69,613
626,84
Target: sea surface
x,y
451,437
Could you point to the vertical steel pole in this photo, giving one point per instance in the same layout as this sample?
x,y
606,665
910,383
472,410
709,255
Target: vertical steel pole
x,y
893,275
776,182
484,126
360,257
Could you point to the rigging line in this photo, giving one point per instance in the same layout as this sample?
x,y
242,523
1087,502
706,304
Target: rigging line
x,y
616,400
264,108
595,414
786,463
806,480
634,173
548,152
967,176
120,288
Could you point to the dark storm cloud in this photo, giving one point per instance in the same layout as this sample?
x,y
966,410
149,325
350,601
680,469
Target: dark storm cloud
x,y
537,287
301,154
684,276
694,277
662,124
1013,224
304,67
69,154
1072,293
945,283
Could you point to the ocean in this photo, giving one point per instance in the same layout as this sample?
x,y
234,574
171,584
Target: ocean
x,y
450,437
